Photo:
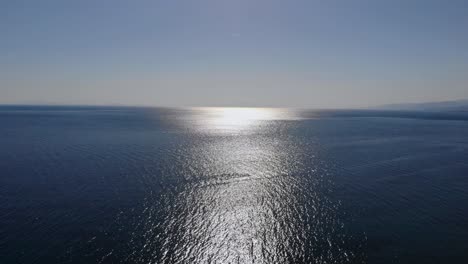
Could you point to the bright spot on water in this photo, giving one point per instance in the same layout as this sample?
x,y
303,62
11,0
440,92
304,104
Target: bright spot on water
x,y
239,118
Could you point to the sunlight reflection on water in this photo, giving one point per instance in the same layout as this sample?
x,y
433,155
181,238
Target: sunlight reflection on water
x,y
237,119
249,198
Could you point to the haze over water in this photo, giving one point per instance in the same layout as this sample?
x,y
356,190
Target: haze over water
x,y
231,185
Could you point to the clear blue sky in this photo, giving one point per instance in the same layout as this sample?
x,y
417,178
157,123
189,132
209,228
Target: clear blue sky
x,y
308,53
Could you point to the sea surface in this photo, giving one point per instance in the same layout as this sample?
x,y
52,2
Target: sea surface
x,y
232,185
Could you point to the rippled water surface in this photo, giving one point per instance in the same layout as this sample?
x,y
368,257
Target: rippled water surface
x,y
232,185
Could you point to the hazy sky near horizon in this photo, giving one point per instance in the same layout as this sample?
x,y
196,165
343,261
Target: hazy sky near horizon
x,y
313,54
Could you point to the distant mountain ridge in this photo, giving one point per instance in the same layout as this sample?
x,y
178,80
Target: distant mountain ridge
x,y
452,106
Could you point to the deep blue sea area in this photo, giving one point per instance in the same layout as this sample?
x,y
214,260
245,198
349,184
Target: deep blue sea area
x,y
232,185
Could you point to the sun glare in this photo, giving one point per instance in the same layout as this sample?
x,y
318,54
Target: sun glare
x,y
236,118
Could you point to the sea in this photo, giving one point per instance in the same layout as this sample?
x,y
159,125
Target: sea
x,y
85,184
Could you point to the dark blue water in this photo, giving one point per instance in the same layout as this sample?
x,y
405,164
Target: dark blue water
x,y
140,185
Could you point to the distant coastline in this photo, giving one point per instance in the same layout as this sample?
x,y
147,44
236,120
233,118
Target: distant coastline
x,y
452,106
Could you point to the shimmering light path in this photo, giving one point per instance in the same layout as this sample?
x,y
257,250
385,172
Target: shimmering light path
x,y
247,195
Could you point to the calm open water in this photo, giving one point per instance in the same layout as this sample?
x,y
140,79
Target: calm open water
x,y
232,185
